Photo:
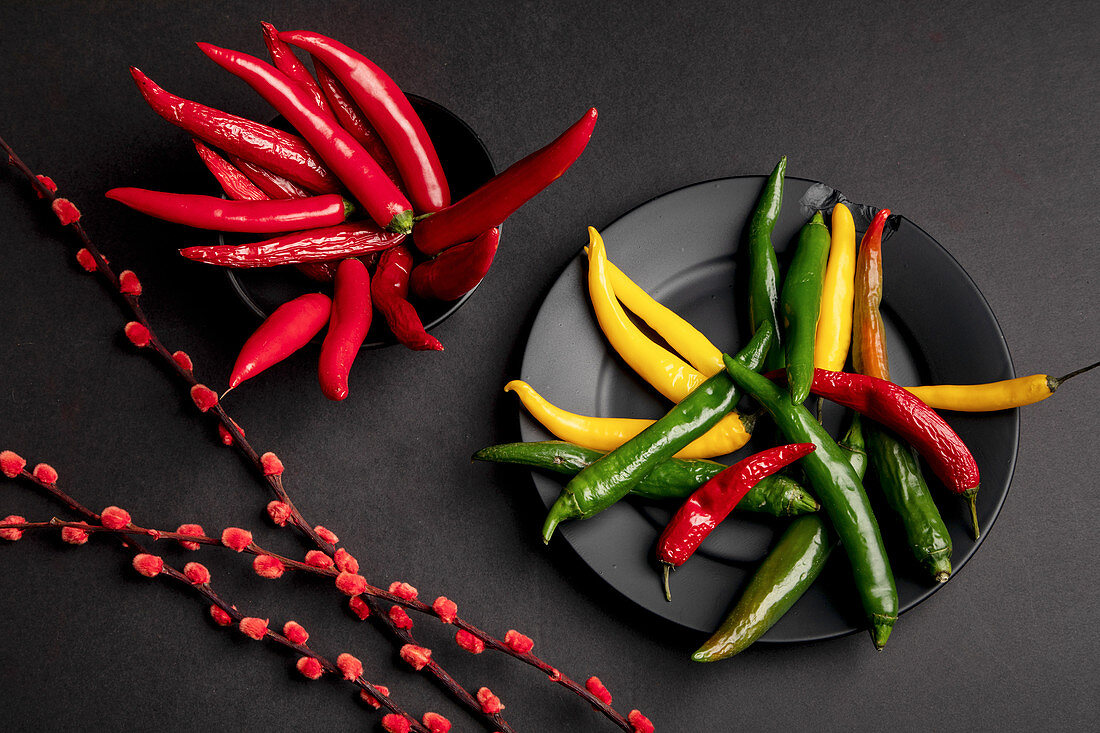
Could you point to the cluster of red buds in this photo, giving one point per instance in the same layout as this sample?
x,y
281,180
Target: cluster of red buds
x,y
365,600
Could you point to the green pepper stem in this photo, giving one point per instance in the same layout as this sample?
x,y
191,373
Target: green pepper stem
x,y
971,496
664,579
1054,384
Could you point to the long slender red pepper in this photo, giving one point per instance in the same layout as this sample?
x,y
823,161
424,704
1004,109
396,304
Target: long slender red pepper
x,y
713,501
312,245
337,147
914,422
495,201
272,184
285,61
257,217
457,270
288,329
233,181
391,114
278,151
868,330
390,290
347,328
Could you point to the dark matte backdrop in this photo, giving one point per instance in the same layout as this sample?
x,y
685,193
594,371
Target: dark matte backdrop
x,y
976,120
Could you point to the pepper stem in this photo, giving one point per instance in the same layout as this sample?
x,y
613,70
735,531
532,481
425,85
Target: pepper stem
x,y
401,223
971,496
1053,384
664,579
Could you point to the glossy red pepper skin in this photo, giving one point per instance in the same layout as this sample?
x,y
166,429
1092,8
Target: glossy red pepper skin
x,y
312,245
278,151
713,501
273,185
285,61
232,180
347,328
288,329
457,270
495,201
367,182
390,290
257,217
389,112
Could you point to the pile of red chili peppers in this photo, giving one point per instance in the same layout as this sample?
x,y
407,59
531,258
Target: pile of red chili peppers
x,y
341,197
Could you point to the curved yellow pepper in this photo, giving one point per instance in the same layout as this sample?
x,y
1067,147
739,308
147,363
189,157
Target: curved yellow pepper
x,y
608,433
987,397
834,324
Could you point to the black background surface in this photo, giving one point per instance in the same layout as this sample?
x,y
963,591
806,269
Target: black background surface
x,y
975,120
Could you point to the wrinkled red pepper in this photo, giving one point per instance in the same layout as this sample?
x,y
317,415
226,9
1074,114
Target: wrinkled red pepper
x,y
390,290
272,184
285,61
312,245
288,329
347,328
456,270
232,180
257,217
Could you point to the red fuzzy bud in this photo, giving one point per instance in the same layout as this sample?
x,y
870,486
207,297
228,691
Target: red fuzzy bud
x,y
114,518
279,511
12,464
45,473
639,723
137,333
369,698
184,361
359,607
294,631
351,584
148,565
517,642
446,609
11,534
191,529
593,685
128,283
394,723
221,618
196,573
48,183
326,534
203,397
73,536
346,562
310,667
271,464
255,628
469,642
415,656
436,723
490,703
66,211
350,666
236,538
317,559
269,567
399,618
403,590
85,259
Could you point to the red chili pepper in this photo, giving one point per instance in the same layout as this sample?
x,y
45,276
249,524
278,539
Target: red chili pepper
x,y
285,61
272,184
278,151
495,201
347,328
868,330
311,245
322,272
713,501
457,270
285,331
235,183
336,146
391,114
351,118
390,290
257,217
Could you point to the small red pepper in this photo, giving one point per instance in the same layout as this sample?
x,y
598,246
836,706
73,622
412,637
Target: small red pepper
x,y
713,501
322,272
236,184
495,201
347,328
457,270
288,329
311,245
285,61
390,289
391,114
272,184
341,152
278,151
257,217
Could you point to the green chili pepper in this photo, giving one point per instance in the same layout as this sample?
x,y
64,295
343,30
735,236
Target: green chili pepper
x,y
800,304
763,265
900,477
789,569
615,475
840,491
676,478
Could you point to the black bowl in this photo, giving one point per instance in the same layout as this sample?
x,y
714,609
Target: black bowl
x,y
467,165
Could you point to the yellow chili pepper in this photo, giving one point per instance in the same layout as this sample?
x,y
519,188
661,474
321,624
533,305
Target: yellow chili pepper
x,y
834,324
994,395
608,433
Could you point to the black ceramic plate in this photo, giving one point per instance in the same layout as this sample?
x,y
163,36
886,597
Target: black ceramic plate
x,y
466,163
687,249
